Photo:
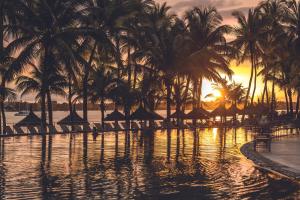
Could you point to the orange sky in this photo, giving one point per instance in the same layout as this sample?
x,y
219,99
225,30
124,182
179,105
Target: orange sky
x,y
225,7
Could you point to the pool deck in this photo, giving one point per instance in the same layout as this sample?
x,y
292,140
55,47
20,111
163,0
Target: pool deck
x,y
286,151
283,159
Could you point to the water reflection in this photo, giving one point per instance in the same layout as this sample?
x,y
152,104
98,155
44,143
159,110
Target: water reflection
x,y
163,164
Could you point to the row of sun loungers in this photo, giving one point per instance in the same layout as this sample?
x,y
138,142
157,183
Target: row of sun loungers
x,y
107,127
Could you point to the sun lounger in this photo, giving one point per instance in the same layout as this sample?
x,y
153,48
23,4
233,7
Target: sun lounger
x,y
32,130
108,127
9,130
124,126
182,125
77,129
135,126
98,126
117,127
157,125
87,128
65,129
19,130
52,129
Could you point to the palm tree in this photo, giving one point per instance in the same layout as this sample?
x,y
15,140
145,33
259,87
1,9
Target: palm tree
x,y
44,83
100,81
248,33
209,53
48,23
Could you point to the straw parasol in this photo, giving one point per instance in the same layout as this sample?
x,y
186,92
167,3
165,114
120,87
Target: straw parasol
x,y
115,116
72,119
179,114
233,110
197,113
30,120
219,111
142,114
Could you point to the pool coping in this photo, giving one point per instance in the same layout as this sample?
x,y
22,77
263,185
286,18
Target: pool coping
x,y
266,164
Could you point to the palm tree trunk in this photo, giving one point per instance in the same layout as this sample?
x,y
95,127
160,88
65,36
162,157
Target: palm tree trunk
x,y
102,108
298,103
2,105
186,89
118,57
250,82
70,94
264,93
43,110
255,80
50,109
200,92
85,83
129,67
273,97
1,52
286,101
290,96
195,94
168,85
3,118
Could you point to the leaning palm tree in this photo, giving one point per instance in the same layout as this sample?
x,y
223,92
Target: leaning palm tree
x,y
248,33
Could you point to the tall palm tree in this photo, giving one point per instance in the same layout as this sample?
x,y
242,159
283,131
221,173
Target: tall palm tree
x,y
209,53
248,33
46,25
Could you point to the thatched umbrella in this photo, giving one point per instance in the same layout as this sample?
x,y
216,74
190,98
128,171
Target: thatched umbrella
x,y
179,114
30,120
142,114
197,113
219,111
115,116
72,119
233,110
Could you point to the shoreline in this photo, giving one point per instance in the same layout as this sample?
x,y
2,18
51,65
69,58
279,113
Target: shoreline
x,y
266,164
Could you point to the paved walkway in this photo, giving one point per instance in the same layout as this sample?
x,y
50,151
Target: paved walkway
x,y
285,151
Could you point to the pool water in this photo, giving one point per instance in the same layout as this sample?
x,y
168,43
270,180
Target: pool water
x,y
202,164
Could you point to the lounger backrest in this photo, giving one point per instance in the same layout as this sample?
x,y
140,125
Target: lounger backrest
x,y
32,130
9,130
52,129
124,125
117,126
19,130
98,126
87,128
77,128
64,128
108,127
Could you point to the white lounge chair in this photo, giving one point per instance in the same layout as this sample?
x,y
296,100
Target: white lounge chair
x,y
87,128
98,126
64,129
9,130
19,130
77,129
117,127
32,130
52,129
108,127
